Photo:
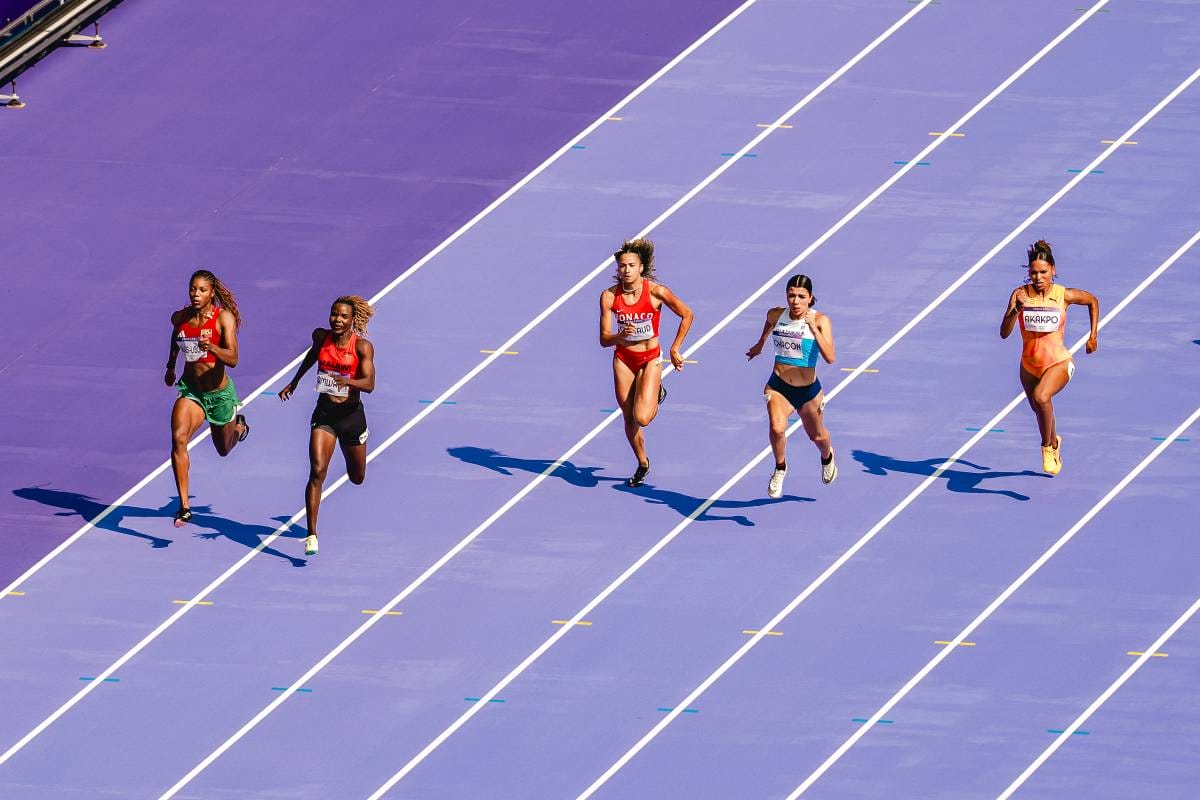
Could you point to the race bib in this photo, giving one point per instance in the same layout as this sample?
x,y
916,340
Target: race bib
x,y
1040,319
327,383
643,329
190,347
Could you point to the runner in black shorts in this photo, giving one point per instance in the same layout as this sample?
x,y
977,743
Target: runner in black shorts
x,y
345,368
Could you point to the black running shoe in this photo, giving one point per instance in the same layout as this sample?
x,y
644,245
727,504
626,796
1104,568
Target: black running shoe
x,y
662,394
246,425
183,516
639,476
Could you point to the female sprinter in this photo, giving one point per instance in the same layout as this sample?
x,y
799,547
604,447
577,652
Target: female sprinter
x,y
798,333
636,301
1046,365
345,368
206,332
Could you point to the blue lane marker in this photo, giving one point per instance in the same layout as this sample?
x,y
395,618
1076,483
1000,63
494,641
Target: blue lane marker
x,y
106,680
1093,172
880,722
1073,733
476,700
1163,439
990,430
685,711
284,689
607,410
579,147
444,402
919,163
744,155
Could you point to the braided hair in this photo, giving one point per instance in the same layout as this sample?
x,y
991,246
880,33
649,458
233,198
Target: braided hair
x,y
225,298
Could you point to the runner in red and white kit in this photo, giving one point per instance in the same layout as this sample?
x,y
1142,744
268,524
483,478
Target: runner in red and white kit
x,y
345,368
205,331
636,302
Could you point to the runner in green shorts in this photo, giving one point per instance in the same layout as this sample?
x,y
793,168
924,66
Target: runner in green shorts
x,y
205,331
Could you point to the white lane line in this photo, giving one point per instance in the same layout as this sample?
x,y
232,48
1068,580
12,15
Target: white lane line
x,y
867,537
279,700
1062,738
864,367
993,606
471,223
428,410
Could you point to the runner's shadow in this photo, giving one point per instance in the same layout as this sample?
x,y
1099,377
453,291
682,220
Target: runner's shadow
x,y
583,477
250,536
88,508
586,477
686,505
957,480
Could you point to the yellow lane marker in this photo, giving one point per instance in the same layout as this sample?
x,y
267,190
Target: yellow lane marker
x,y
851,369
565,621
767,125
16,594
960,644
385,613
768,633
939,133
199,603
1143,652
615,119
1114,141
506,352
686,361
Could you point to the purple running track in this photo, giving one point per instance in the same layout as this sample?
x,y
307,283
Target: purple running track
x,y
966,731
298,154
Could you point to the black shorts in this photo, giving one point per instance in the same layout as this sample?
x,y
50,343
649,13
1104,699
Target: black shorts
x,y
347,421
796,395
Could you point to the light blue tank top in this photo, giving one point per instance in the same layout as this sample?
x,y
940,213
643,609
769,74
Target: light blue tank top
x,y
794,342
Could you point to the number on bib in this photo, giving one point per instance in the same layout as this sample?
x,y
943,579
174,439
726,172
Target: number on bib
x,y
327,384
1041,320
190,347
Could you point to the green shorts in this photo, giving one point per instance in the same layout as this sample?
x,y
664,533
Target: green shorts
x,y
219,405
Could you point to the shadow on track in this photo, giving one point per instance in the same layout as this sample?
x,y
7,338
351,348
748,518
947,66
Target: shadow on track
x,y
586,478
89,508
957,480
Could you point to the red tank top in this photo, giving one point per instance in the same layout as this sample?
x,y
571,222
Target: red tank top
x,y
189,336
642,314
333,361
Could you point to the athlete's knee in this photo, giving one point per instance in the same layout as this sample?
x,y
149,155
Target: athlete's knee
x,y
179,440
820,437
779,429
644,417
357,476
316,474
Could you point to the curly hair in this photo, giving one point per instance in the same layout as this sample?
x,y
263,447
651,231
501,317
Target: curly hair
x,y
225,298
360,310
1040,251
643,249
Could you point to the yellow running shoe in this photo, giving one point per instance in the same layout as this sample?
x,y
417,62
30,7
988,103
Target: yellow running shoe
x,y
1052,457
